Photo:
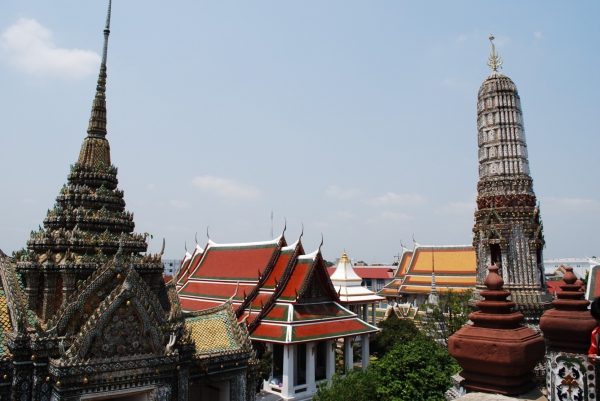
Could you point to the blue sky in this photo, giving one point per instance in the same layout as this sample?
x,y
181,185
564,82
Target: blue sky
x,y
357,119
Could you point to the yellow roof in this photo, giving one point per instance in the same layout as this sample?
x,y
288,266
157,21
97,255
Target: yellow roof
x,y
452,260
441,281
404,263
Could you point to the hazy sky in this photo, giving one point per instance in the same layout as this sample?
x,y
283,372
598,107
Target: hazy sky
x,y
355,118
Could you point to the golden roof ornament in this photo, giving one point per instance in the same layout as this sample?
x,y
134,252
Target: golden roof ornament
x,y
494,61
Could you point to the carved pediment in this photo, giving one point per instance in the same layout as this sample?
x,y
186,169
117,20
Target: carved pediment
x,y
124,323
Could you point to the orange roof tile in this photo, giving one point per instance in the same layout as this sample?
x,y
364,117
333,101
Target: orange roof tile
x,y
241,263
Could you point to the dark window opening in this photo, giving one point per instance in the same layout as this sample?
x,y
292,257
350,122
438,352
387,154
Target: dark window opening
x,y
321,365
300,364
496,255
278,362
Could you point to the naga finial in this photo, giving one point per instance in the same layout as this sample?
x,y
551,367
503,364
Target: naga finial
x,y
494,60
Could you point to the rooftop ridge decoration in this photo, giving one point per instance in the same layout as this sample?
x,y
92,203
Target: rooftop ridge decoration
x,y
279,286
494,61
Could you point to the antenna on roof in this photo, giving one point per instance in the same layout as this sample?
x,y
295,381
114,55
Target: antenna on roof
x,y
321,242
207,235
271,224
284,225
196,237
302,233
185,246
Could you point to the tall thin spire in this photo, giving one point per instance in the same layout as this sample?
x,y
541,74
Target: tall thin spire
x,y
97,126
494,61
106,33
433,298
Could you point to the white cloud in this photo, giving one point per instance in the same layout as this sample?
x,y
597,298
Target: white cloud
x,y
388,215
226,188
28,201
461,38
457,208
179,204
538,35
392,198
29,46
335,191
343,215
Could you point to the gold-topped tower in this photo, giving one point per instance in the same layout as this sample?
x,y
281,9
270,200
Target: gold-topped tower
x,y
494,61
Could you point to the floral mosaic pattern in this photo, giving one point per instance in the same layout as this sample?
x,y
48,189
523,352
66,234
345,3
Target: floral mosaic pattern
x,y
122,335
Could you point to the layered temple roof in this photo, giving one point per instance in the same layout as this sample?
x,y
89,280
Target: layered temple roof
x,y
281,293
455,268
348,284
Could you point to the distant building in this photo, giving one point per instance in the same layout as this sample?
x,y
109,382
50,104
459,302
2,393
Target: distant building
x,y
171,267
448,266
374,277
580,265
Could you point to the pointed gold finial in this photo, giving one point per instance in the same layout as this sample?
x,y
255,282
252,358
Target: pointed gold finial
x,y
494,61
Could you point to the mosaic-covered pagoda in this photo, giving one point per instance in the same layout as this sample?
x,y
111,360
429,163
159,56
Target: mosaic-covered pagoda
x,y
85,314
508,226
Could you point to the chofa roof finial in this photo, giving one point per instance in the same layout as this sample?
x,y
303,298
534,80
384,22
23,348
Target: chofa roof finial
x,y
494,61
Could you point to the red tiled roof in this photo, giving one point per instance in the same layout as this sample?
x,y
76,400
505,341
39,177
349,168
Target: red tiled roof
x,y
278,312
198,304
318,311
279,268
215,290
298,276
261,299
322,330
269,332
248,261
214,279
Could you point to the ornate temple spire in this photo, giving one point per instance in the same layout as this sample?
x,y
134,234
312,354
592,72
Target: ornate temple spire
x,y
97,126
494,61
95,150
508,227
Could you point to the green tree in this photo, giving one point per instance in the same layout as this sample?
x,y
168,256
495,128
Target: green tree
x,y
445,318
393,331
419,369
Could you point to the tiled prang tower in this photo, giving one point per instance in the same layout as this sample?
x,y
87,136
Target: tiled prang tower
x,y
508,226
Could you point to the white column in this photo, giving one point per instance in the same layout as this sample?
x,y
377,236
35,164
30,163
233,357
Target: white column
x,y
330,364
266,386
311,355
289,366
364,340
374,314
348,353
